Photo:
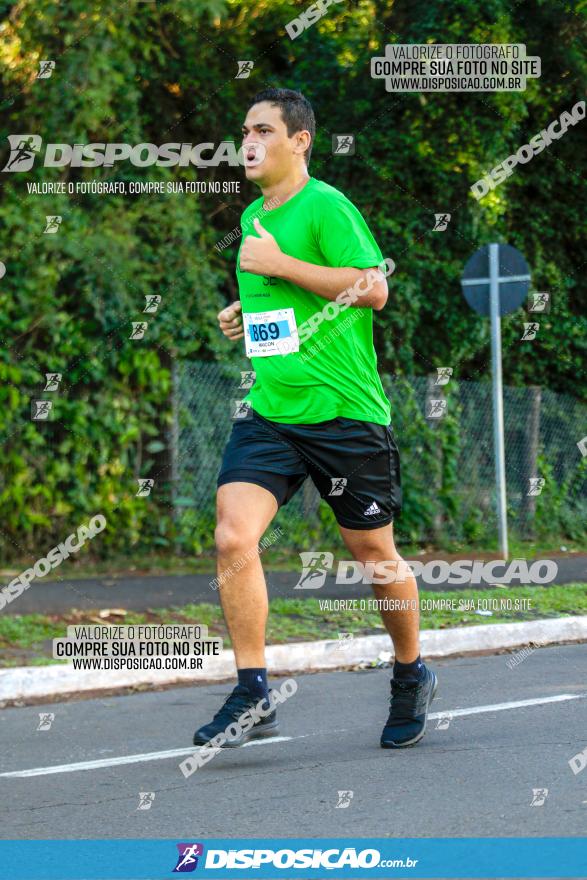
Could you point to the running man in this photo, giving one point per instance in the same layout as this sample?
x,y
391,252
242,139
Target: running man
x,y
318,408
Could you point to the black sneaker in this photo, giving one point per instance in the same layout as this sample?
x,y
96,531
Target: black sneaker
x,y
410,703
237,703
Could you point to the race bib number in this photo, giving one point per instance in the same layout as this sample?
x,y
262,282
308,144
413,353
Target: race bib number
x,y
270,333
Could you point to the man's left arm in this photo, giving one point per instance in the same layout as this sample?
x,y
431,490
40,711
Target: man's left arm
x,y
262,256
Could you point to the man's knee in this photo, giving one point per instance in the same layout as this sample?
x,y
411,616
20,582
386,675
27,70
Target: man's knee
x,y
373,550
382,565
234,538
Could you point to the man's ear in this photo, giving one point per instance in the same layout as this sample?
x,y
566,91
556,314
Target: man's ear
x,y
303,141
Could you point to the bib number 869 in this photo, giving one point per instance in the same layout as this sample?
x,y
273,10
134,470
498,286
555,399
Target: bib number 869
x,y
264,331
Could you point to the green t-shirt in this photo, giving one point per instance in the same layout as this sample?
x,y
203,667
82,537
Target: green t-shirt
x,y
334,372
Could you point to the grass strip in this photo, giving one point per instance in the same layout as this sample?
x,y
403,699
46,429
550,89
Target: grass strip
x,y
26,639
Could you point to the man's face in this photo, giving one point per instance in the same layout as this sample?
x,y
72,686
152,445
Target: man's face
x,y
264,125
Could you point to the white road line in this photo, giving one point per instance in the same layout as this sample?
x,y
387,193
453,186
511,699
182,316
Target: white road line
x,y
178,753
499,707
127,759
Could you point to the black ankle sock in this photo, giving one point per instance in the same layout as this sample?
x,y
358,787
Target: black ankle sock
x,y
409,671
255,680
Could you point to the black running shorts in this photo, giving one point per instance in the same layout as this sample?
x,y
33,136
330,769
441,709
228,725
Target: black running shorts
x,y
353,464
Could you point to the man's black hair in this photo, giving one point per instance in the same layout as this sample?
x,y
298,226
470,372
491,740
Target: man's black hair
x,y
296,112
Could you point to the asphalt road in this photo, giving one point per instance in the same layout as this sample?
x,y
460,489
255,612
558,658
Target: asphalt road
x,y
474,777
141,593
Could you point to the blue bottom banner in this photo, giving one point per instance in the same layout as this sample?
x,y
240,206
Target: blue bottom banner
x,y
306,858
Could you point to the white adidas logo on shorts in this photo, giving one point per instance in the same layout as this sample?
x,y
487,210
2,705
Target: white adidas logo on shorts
x,y
372,509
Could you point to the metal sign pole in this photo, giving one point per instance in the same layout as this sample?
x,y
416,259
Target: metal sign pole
x,y
493,295
498,438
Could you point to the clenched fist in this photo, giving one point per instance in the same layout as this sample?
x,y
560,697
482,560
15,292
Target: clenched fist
x,y
231,322
261,256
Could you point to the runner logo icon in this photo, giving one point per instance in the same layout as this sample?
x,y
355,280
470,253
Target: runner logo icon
x,y
23,150
187,859
315,568
338,485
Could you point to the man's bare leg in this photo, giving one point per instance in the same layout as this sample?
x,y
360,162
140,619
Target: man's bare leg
x,y
413,685
244,511
377,545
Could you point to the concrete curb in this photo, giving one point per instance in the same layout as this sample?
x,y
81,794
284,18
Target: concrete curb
x,y
36,682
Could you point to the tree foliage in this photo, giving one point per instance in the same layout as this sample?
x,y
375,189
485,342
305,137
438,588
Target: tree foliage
x,y
156,72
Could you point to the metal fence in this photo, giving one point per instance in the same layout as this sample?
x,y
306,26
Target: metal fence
x,y
447,462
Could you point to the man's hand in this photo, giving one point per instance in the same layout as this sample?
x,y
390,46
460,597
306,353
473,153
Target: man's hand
x,y
231,322
261,256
